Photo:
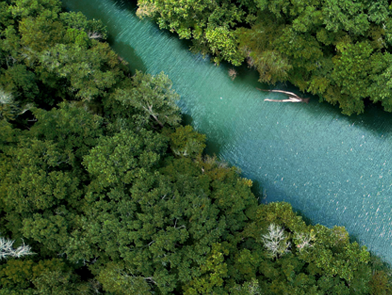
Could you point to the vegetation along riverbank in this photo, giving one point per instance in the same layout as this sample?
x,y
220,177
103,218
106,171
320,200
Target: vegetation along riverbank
x,y
337,50
103,191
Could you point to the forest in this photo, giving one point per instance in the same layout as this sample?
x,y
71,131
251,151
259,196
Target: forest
x,y
338,50
103,189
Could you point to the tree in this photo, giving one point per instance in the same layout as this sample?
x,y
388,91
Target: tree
x,y
163,224
9,108
381,80
223,45
115,279
320,259
19,82
55,54
88,73
208,24
48,276
275,241
72,128
213,273
33,8
330,48
95,29
185,142
126,202
42,176
7,250
151,100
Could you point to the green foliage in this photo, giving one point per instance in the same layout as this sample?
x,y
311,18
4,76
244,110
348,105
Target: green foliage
x,y
320,259
380,283
163,223
150,101
9,108
73,129
213,271
185,142
54,54
208,24
331,48
42,174
39,33
19,81
76,21
32,8
112,184
89,72
336,49
116,280
117,160
29,277
221,43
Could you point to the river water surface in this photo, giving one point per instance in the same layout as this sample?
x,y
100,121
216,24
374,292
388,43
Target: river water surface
x,y
335,169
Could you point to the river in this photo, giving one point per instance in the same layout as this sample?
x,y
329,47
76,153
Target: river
x,y
335,170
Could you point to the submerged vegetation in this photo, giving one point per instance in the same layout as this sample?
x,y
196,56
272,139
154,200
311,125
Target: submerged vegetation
x,y
338,50
103,191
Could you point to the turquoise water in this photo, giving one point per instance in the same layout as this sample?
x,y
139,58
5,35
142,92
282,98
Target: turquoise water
x,y
335,169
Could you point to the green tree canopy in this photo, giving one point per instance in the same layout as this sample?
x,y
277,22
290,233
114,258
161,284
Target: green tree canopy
x,y
336,49
114,196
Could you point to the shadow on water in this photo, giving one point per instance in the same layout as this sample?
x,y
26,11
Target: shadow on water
x,y
244,74
186,119
130,5
354,238
128,53
307,220
213,147
267,194
257,190
376,262
374,119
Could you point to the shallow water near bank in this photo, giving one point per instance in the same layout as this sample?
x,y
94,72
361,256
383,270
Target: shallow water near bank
x,y
335,169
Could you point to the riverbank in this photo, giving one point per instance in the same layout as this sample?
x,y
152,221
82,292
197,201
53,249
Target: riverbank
x,y
333,168
109,180
338,52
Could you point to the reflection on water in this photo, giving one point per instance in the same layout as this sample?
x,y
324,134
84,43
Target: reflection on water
x,y
336,170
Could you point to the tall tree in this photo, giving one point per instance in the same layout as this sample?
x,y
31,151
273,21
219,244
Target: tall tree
x,y
149,101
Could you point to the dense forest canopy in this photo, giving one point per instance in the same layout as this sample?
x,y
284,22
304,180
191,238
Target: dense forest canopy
x,y
103,191
339,50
